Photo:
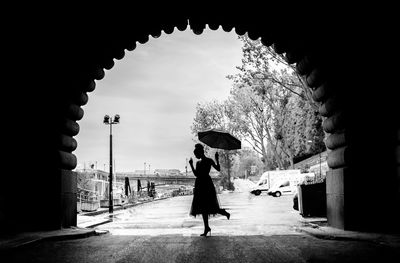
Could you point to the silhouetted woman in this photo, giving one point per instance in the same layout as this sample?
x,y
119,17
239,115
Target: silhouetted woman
x,y
205,201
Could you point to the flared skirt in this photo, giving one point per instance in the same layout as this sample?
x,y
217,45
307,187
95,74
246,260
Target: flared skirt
x,y
205,200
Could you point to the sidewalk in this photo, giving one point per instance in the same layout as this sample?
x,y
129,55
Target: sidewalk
x,y
86,223
22,239
103,210
217,248
92,219
316,227
319,228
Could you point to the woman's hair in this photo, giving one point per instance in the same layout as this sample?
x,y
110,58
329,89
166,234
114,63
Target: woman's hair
x,y
199,147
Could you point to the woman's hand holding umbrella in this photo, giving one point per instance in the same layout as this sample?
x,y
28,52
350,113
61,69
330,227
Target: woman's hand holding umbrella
x,y
220,139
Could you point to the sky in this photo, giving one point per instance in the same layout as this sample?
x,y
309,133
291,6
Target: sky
x,y
155,89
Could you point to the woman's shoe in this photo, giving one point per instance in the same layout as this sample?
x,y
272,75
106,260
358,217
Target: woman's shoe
x,y
226,214
206,232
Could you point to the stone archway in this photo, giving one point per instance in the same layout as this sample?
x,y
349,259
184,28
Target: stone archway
x,y
319,57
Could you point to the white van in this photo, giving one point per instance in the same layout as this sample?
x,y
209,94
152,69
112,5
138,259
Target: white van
x,y
261,186
278,178
282,188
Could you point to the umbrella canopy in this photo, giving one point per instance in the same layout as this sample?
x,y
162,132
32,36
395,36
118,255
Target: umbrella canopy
x,y
219,139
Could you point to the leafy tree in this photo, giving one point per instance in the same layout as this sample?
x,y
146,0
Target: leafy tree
x,y
263,64
252,119
270,107
282,94
214,115
297,124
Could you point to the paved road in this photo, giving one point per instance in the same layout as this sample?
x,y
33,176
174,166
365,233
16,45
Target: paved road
x,y
250,215
182,249
261,229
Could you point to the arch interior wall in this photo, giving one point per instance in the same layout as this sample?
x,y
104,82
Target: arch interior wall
x,y
62,70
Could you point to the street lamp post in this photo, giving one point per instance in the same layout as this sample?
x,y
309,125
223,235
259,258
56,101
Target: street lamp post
x,y
110,121
186,166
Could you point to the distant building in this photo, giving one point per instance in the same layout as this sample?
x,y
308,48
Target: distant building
x,y
138,172
93,181
167,172
94,174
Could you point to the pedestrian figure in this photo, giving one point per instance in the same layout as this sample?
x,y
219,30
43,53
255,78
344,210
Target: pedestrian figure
x,y
205,201
139,186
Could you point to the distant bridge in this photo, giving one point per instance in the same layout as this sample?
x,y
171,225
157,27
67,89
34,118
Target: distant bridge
x,y
164,179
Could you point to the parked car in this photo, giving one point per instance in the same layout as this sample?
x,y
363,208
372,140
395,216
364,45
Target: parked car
x,y
270,179
261,186
282,188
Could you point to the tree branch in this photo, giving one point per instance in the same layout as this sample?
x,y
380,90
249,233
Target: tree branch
x,y
255,147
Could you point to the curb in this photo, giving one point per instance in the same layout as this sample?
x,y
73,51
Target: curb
x,y
99,223
90,233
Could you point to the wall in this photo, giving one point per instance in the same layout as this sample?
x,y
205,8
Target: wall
x,y
51,72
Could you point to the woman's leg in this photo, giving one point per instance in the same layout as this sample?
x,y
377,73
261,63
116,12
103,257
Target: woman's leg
x,y
206,226
224,213
205,220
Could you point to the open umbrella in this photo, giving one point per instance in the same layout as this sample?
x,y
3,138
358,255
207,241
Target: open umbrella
x,y
219,139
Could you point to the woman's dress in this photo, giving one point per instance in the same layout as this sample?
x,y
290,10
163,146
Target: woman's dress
x,y
205,199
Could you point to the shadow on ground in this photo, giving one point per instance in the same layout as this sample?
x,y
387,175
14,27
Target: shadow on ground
x,y
175,248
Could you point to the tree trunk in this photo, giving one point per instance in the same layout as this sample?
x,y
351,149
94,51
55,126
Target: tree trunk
x,y
277,157
289,154
264,154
